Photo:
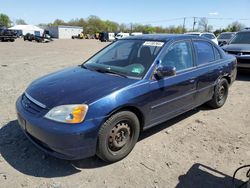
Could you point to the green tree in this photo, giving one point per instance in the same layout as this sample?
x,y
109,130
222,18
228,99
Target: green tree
x,y
58,22
20,22
5,20
235,26
111,26
95,25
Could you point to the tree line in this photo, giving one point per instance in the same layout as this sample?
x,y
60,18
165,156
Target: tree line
x,y
94,24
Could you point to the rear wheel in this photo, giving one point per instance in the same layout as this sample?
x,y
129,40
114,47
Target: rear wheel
x,y
118,136
220,94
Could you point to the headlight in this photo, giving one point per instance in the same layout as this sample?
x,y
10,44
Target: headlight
x,y
74,113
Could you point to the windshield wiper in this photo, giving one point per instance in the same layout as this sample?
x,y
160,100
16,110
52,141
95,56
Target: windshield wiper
x,y
83,66
111,72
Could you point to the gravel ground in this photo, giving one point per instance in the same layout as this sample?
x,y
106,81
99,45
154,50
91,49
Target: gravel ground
x,y
201,148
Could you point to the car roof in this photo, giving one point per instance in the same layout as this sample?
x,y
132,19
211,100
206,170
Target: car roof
x,y
244,31
208,33
228,32
194,33
162,37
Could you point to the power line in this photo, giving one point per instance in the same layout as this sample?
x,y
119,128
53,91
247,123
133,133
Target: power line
x,y
195,17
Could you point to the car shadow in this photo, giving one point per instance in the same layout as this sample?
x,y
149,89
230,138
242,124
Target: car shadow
x,y
22,155
200,175
243,75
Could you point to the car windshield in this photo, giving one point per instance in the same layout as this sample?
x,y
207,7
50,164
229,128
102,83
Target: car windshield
x,y
226,36
241,38
129,58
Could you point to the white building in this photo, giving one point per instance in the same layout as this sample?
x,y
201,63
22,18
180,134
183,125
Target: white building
x,y
64,32
24,29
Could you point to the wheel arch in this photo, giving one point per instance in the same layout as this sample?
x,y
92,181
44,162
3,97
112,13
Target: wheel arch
x,y
225,76
130,108
228,78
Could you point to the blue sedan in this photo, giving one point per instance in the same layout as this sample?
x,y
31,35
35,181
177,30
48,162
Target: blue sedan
x,y
101,106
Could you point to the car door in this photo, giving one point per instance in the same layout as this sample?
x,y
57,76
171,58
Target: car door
x,y
208,60
173,95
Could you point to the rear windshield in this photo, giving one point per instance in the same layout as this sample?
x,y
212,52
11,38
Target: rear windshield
x,y
241,38
226,36
195,34
209,36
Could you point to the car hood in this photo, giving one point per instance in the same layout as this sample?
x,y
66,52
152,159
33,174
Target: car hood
x,y
237,47
75,86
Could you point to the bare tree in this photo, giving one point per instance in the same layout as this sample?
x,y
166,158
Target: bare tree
x,y
203,25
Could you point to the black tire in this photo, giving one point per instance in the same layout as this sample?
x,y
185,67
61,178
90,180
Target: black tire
x,y
118,136
220,94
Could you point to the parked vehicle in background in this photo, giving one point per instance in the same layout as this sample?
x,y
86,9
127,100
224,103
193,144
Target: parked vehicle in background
x,y
225,37
44,38
210,36
7,35
106,37
239,46
133,84
136,33
121,35
79,36
30,37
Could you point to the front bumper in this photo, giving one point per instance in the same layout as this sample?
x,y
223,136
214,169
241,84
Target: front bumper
x,y
65,141
243,61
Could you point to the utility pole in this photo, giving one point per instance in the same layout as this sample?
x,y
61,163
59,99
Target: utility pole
x,y
194,23
184,22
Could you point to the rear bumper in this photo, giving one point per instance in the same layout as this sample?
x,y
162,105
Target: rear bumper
x,y
63,141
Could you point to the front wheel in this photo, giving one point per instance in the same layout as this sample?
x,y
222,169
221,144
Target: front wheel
x,y
220,94
118,136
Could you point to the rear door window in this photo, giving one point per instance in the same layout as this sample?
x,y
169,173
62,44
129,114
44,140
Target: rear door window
x,y
217,54
204,51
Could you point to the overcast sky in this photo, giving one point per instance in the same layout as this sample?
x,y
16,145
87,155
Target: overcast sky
x,y
154,12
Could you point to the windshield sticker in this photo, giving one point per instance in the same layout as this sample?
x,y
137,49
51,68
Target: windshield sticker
x,y
136,70
153,43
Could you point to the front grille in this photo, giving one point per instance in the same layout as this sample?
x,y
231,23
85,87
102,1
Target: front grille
x,y
243,61
30,106
238,53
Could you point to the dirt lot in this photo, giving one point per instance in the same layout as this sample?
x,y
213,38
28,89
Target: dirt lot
x,y
201,148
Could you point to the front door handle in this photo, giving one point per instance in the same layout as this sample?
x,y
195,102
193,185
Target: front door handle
x,y
192,80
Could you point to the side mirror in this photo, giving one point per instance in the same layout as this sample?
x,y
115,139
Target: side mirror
x,y
162,72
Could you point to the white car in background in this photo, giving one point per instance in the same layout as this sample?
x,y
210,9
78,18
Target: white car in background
x,y
136,33
121,35
210,36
